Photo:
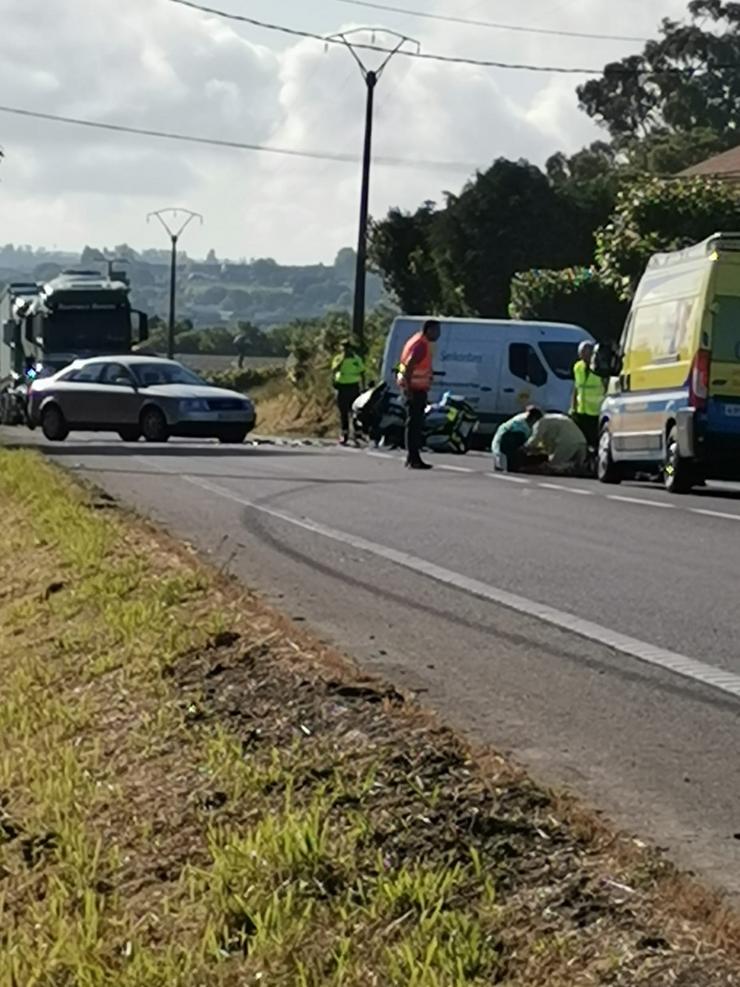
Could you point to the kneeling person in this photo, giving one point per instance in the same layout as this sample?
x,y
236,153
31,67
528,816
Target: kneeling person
x,y
558,437
510,438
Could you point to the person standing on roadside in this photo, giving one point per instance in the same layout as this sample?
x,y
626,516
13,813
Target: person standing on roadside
x,y
415,375
348,370
588,395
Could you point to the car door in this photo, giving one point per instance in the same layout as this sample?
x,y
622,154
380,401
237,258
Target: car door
x,y
117,398
74,393
524,379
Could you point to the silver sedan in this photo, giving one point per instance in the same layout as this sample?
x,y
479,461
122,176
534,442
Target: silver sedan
x,y
137,396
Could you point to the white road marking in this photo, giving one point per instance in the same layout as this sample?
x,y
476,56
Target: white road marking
x,y
642,501
455,469
579,491
671,661
720,514
381,455
506,477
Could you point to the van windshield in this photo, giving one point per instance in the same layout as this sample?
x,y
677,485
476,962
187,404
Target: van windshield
x,y
561,357
726,331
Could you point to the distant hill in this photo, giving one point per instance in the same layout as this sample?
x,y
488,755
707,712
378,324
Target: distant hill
x,y
211,292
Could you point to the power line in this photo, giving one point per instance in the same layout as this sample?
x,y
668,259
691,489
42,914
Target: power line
x,y
451,19
614,69
235,145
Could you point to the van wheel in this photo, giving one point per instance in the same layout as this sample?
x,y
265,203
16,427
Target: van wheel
x,y
54,424
678,473
154,425
606,469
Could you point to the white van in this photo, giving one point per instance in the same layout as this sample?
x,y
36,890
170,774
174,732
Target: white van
x,y
499,366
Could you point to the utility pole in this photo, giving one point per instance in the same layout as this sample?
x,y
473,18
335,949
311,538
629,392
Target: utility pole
x,y
371,77
175,221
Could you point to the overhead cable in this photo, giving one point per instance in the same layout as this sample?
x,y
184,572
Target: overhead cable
x,y
235,145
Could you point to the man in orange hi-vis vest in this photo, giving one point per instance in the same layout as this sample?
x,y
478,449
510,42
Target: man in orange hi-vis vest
x,y
415,374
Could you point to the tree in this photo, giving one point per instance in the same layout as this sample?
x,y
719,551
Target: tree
x,y
578,295
686,80
400,250
661,215
508,219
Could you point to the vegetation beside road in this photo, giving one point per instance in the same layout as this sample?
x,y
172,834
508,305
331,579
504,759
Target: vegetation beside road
x,y
192,792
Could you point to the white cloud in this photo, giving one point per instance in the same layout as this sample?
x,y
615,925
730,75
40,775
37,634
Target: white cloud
x,y
151,64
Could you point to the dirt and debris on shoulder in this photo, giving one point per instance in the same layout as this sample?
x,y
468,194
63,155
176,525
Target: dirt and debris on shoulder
x,y
194,792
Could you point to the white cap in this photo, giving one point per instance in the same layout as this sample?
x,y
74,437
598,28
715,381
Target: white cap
x,y
585,345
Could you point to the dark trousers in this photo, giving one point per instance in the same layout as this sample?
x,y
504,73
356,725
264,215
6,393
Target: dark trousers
x,y
589,425
347,394
416,402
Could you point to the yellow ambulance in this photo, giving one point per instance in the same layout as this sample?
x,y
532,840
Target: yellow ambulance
x,y
673,403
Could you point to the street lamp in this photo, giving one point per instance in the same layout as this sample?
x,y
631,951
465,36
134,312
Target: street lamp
x,y
371,77
175,221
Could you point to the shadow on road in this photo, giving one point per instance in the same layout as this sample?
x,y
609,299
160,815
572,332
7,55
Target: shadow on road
x,y
123,450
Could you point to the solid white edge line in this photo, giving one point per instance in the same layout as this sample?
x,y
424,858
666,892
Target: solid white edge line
x,y
682,665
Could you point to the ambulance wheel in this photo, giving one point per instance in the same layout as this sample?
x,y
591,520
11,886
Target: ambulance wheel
x,y
606,469
678,473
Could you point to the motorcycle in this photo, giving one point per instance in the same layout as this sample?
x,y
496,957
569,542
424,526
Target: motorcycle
x,y
380,415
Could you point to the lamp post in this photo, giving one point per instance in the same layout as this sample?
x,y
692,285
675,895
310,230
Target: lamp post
x,y
371,77
175,221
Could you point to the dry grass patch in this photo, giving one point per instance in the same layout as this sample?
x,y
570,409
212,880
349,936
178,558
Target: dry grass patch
x,y
193,794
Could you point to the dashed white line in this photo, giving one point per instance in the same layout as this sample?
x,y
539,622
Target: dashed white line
x,y
670,661
381,455
720,514
642,501
579,491
455,469
506,477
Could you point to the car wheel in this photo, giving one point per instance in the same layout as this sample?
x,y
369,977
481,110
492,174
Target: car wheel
x,y
678,473
232,436
130,434
154,425
54,424
606,469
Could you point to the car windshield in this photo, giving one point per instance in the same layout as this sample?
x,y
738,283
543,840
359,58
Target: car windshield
x,y
561,358
152,374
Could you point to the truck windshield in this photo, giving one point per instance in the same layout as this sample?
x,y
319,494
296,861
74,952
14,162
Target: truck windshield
x,y
561,358
726,330
84,331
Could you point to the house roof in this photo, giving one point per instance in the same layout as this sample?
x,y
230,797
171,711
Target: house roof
x,y
725,165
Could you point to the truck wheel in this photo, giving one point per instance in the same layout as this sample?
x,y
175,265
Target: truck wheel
x,y
678,473
154,425
606,469
54,424
130,433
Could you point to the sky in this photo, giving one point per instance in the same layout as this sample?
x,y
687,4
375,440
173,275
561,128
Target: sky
x,y
157,65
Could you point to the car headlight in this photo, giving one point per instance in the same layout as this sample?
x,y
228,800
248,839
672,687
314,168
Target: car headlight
x,y
189,405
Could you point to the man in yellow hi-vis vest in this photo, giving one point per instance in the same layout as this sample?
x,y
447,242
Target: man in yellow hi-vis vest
x,y
588,395
348,370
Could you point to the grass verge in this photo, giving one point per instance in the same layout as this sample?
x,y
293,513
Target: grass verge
x,y
193,794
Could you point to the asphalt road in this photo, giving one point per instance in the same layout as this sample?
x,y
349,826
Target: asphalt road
x,y
592,632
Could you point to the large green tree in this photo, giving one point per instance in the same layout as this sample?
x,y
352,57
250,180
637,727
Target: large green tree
x,y
459,260
660,215
686,80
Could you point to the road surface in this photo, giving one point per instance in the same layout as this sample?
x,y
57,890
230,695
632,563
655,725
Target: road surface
x,y
592,632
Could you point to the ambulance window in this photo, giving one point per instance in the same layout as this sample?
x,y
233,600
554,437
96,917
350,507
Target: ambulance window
x,y
726,330
525,364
